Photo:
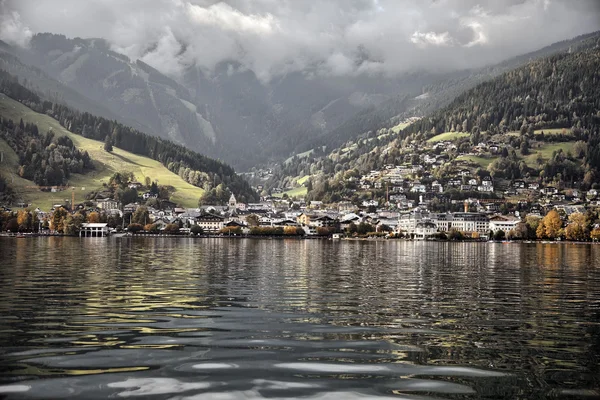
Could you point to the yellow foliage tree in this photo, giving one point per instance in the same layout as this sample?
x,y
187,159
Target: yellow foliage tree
x,y
595,234
93,217
552,224
23,219
577,229
540,231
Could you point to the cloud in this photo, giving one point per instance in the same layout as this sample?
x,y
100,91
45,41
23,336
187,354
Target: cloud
x,y
335,37
12,29
431,38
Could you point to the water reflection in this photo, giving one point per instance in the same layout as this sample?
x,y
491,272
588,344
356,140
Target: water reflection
x,y
267,318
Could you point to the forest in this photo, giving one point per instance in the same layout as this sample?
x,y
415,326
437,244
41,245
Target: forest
x,y
43,158
176,158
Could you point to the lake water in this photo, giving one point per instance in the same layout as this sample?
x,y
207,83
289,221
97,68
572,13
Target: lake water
x,y
243,319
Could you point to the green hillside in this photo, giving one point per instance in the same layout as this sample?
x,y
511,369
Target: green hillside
x,y
106,164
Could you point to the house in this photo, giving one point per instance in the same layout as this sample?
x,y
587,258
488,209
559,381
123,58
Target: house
x,y
503,223
211,223
519,184
107,204
437,187
304,219
149,195
324,222
130,208
418,188
425,230
134,185
93,230
472,182
370,203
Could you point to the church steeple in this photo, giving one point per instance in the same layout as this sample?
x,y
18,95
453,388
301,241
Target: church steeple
x,y
232,201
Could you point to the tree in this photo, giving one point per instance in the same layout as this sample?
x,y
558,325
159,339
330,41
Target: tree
x,y
595,234
455,235
134,228
577,229
93,217
12,225
253,220
152,228
499,235
57,219
24,219
196,230
147,181
550,226
108,143
172,228
141,216
72,224
126,196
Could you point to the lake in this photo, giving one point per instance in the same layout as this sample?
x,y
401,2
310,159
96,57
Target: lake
x,y
182,318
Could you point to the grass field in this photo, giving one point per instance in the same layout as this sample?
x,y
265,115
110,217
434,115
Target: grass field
x,y
301,155
295,192
106,164
482,161
546,151
447,136
554,131
399,127
303,180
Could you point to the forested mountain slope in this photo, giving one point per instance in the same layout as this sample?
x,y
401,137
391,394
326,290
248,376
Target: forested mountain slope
x,y
194,168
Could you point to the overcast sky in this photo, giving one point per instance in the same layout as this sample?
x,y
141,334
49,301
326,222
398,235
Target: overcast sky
x,y
339,37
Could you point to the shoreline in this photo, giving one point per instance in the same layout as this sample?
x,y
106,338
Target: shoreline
x,y
27,235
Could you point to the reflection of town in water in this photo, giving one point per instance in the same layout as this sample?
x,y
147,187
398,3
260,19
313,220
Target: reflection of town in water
x,y
525,314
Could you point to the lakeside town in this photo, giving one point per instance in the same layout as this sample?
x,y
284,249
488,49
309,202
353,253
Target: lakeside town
x,y
548,218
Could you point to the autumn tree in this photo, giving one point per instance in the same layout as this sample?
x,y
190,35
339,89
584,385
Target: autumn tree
x,y
93,217
57,219
172,228
152,228
134,228
578,227
72,224
550,226
253,220
595,234
24,219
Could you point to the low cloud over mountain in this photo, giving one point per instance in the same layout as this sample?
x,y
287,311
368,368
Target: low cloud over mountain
x,y
335,37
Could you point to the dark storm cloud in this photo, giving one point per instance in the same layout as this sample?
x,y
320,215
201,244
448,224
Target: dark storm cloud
x,y
339,37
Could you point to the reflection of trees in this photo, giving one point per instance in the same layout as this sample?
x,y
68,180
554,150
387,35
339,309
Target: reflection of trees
x,y
529,309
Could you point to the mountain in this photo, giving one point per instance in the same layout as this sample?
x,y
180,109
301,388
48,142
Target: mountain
x,y
229,113
44,168
556,95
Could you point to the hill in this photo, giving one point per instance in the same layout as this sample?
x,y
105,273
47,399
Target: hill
x,y
230,113
105,164
541,121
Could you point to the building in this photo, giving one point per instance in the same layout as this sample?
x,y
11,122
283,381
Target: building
x,y
232,202
464,222
425,230
211,223
107,204
503,223
93,230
